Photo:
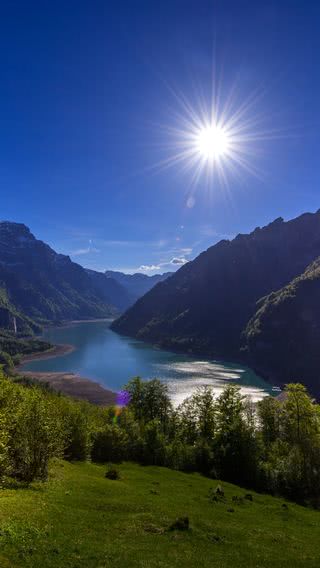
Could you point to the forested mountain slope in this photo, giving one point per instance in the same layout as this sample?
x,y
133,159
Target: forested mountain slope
x,y
283,337
205,306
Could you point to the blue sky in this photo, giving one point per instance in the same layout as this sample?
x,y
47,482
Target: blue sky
x,y
90,91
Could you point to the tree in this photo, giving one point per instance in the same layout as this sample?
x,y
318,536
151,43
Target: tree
x,y
149,400
269,416
197,416
35,436
235,444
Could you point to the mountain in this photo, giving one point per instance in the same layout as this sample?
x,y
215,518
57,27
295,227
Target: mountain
x,y
136,284
41,284
207,303
113,292
283,337
123,290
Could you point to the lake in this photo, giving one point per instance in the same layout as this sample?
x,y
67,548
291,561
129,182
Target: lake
x,y
112,360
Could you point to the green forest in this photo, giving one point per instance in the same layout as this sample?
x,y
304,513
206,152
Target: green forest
x,y
272,446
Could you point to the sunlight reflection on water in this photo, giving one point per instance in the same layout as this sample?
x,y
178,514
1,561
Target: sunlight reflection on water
x,y
184,378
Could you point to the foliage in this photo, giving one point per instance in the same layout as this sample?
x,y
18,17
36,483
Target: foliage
x,y
112,473
36,425
273,446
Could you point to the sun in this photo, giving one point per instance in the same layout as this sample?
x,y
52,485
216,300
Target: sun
x,y
212,142
214,137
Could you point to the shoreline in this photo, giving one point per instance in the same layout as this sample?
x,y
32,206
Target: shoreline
x,y
68,383
71,323
54,351
74,386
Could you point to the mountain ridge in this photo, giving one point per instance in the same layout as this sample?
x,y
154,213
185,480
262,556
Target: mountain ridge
x,y
206,305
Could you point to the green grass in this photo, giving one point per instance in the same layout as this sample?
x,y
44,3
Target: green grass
x,y
80,519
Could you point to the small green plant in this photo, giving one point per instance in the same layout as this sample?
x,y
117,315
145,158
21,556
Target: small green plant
x,y
216,494
237,500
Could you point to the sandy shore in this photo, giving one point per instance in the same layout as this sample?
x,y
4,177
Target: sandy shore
x,y
55,351
75,386
67,383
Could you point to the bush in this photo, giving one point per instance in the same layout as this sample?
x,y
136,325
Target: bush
x,y
180,524
112,473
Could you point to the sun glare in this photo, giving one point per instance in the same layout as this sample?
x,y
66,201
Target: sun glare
x,y
214,139
212,142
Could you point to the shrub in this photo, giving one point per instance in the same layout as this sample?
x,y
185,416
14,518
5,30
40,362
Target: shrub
x,y
112,473
180,524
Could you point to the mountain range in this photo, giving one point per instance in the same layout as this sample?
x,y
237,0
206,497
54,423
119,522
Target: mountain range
x,y
38,285
122,290
220,305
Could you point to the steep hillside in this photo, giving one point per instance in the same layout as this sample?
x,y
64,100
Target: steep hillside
x,y
42,284
80,519
14,326
206,304
11,319
283,337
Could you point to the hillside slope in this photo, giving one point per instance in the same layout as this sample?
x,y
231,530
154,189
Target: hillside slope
x,y
206,304
42,284
283,337
80,519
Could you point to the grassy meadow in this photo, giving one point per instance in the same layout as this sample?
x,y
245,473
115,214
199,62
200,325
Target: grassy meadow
x,y
80,519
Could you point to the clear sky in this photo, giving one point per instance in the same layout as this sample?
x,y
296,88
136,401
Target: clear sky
x,y
90,91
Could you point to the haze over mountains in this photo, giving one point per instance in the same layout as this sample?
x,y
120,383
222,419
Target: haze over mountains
x,y
205,307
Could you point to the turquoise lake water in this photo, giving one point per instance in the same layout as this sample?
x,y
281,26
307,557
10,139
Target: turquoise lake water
x,y
112,360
